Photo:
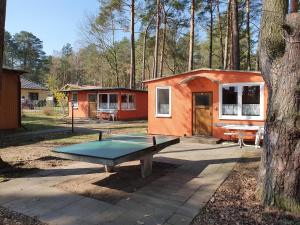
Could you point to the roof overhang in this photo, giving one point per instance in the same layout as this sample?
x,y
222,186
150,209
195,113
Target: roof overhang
x,y
19,72
102,89
193,77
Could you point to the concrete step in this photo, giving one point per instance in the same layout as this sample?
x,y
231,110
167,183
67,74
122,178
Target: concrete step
x,y
201,139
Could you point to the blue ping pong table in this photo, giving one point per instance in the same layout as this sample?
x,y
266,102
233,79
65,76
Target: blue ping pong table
x,y
118,149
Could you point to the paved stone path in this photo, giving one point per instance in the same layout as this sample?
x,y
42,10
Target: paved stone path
x,y
174,199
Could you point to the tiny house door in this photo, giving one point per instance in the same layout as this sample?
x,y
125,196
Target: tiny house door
x,y
92,99
202,113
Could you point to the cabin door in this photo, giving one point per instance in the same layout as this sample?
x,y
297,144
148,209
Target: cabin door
x,y
92,99
202,113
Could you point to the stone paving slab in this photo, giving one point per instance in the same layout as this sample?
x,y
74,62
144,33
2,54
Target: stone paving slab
x,y
174,199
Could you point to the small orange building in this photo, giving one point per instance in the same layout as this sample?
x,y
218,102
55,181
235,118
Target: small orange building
x,y
107,103
202,101
10,99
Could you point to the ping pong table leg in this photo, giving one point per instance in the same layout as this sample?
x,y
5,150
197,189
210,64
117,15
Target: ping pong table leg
x,y
108,169
146,166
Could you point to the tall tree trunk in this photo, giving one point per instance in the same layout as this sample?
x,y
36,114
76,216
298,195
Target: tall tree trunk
x,y
227,38
144,53
248,34
162,53
155,64
144,58
235,37
210,34
2,33
279,183
220,34
132,42
294,6
192,36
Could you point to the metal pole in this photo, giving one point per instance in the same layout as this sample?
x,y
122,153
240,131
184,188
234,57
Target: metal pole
x,y
72,117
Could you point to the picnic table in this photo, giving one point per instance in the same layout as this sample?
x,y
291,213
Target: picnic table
x,y
118,149
240,132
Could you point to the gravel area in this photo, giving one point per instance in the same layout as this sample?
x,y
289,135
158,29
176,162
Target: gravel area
x,y
235,202
8,217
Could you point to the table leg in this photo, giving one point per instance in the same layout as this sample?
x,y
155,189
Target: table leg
x,y
241,139
109,169
257,139
146,166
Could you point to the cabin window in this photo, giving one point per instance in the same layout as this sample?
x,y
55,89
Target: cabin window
x,y
107,101
163,101
242,101
33,96
75,99
128,102
230,100
251,101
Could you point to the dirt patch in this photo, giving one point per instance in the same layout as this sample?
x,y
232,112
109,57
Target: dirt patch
x,y
28,159
235,201
8,217
112,187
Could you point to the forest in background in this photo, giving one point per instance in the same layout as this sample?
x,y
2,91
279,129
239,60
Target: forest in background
x,y
165,37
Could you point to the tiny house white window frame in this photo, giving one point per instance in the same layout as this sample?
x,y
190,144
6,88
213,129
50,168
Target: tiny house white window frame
x,y
108,102
239,116
156,101
75,104
128,108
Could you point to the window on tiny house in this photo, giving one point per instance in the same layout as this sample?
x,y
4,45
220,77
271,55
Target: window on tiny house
x,y
230,100
33,96
242,101
75,99
128,101
163,101
107,101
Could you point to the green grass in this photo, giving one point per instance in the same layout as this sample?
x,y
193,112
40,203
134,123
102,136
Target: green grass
x,y
34,122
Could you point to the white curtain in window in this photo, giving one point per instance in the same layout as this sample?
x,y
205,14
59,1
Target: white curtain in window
x,y
251,109
230,109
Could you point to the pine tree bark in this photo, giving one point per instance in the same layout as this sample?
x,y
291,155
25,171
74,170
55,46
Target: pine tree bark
x,y
155,64
132,43
227,37
220,34
162,53
2,33
235,37
279,183
144,58
248,34
192,36
210,34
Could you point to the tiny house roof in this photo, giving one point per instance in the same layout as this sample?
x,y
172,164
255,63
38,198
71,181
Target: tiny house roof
x,y
195,74
74,87
27,84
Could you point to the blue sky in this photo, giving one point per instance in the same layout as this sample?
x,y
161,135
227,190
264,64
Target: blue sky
x,y
55,22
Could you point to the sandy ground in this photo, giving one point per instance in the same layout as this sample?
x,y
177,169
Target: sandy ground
x,y
112,187
234,202
30,156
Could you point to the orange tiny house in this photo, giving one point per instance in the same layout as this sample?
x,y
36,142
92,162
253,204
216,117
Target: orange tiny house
x,y
202,101
107,103
10,97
